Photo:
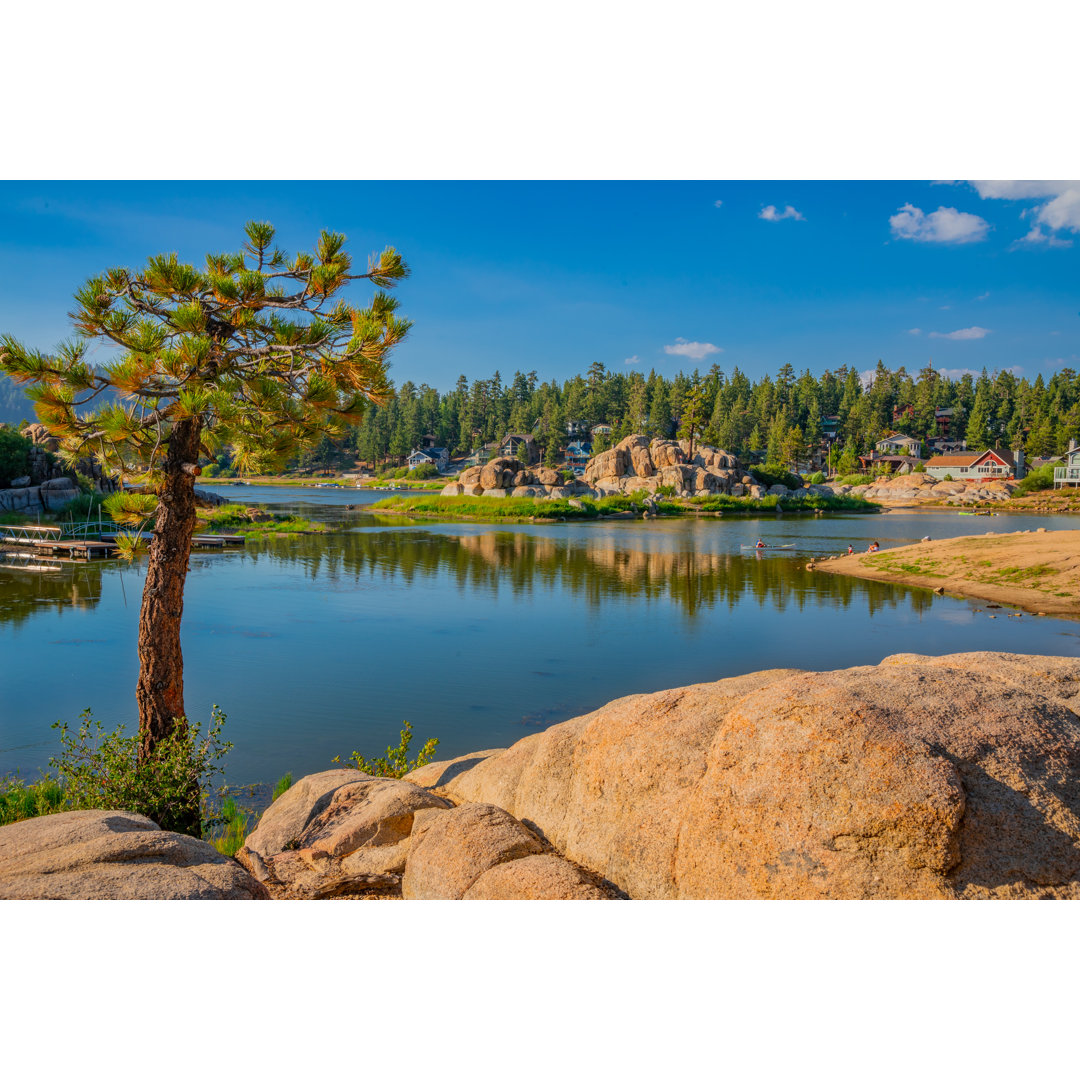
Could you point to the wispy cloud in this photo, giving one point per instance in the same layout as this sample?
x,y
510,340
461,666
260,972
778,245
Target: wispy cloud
x,y
1058,210
983,296
945,225
972,333
635,359
954,374
718,203
945,307
694,350
770,213
915,331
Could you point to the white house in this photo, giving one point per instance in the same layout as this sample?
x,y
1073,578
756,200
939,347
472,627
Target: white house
x,y
975,465
1067,474
438,456
900,444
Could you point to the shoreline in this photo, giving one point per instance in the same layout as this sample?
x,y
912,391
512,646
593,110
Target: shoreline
x,y
1038,572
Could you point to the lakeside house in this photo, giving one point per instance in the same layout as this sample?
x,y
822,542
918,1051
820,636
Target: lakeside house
x,y
600,429
1067,474
903,445
438,456
578,454
978,465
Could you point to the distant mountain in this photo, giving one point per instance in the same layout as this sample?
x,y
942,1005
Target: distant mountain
x,y
14,404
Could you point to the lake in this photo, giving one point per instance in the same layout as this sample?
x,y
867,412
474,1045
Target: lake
x,y
479,635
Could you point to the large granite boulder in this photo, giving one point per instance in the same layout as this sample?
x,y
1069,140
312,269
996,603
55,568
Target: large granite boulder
x,y
954,776
611,464
500,472
666,452
539,877
471,476
114,855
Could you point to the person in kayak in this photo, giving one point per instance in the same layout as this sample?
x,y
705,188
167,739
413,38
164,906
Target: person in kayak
x,y
760,544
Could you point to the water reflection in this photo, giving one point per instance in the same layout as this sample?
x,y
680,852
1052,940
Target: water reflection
x,y
26,589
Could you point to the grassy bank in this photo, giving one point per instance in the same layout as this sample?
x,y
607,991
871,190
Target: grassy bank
x,y
253,523
482,508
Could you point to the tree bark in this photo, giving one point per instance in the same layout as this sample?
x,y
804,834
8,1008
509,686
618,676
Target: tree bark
x,y
160,690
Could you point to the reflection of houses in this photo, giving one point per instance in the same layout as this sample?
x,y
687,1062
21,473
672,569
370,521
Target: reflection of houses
x,y
578,454
901,445
438,456
512,444
1067,474
977,465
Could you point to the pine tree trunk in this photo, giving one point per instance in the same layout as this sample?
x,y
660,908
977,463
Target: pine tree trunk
x,y
160,690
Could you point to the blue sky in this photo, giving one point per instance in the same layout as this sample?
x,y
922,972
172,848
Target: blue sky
x,y
552,276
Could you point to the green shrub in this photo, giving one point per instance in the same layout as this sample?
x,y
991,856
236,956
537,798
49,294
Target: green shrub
x,y
396,763
948,476
773,474
14,456
84,505
229,828
919,468
1037,480
816,478
101,771
423,472
282,786
855,480
19,801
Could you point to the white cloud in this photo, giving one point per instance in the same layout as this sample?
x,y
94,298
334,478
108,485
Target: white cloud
x,y
983,296
972,333
945,225
957,373
695,350
770,213
718,203
867,378
632,359
915,330
1037,236
945,307
1059,209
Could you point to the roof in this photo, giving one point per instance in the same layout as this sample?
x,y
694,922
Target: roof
x,y
897,437
970,458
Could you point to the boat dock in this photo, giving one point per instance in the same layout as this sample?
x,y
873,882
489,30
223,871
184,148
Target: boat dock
x,y
85,542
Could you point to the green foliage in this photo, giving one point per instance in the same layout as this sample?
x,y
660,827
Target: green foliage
x,y
1037,480
816,478
227,830
919,468
19,800
948,476
101,770
14,456
768,476
82,506
855,480
396,763
423,472
282,786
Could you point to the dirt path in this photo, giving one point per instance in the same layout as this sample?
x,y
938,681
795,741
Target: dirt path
x,y
1037,571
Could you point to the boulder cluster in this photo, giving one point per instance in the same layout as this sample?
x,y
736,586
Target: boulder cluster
x,y
950,777
916,487
48,485
635,464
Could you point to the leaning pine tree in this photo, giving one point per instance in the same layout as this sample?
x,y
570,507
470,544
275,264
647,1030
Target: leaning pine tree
x,y
256,350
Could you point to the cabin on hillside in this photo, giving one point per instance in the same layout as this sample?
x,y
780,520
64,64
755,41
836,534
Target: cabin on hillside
x,y
511,447
1067,474
600,429
977,465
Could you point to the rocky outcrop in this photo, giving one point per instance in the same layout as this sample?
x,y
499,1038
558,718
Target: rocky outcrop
x,y
49,485
914,488
635,464
954,776
113,855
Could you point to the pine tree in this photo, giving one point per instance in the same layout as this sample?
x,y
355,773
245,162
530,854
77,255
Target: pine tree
x,y
251,351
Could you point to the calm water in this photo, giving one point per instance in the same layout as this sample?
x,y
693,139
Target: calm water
x,y
317,646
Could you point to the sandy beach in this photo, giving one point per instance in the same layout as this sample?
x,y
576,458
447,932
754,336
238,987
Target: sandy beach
x,y
1036,571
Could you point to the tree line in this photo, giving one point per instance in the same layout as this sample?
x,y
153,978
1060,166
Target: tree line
x,y
781,417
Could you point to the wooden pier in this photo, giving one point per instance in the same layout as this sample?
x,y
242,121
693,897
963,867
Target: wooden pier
x,y
55,540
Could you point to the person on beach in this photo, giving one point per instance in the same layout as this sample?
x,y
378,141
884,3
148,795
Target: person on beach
x,y
873,547
850,550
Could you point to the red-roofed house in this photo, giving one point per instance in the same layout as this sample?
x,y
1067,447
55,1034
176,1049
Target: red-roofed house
x,y
975,465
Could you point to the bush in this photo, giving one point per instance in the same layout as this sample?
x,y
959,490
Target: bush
x,y
948,476
14,456
919,468
855,480
423,472
772,474
1037,480
396,763
101,771
816,478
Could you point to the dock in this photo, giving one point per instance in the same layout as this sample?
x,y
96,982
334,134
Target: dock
x,y
82,542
